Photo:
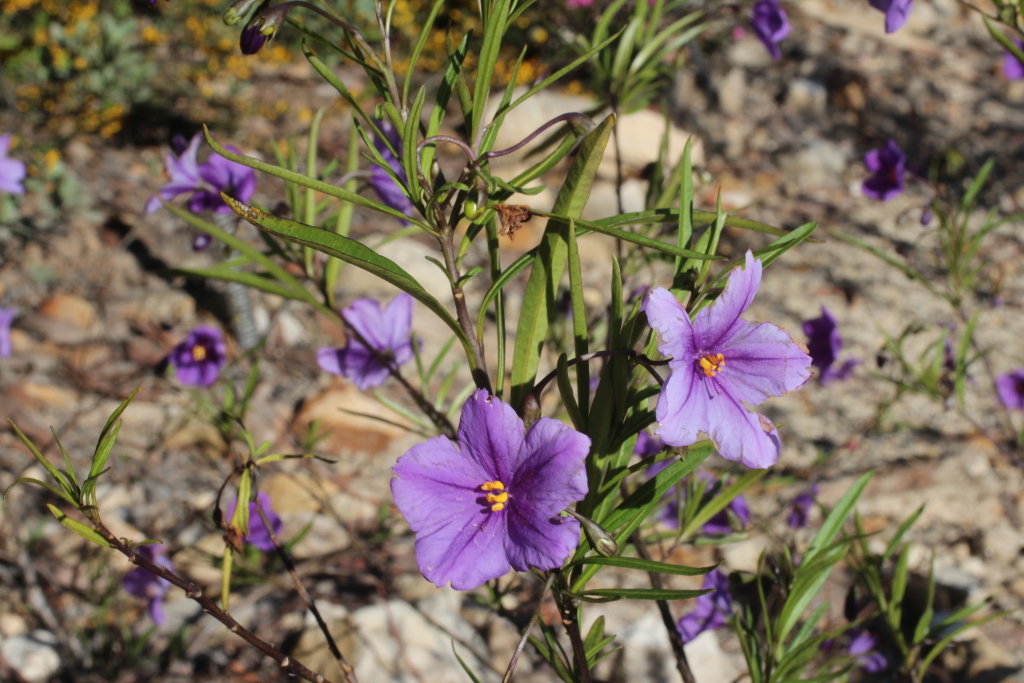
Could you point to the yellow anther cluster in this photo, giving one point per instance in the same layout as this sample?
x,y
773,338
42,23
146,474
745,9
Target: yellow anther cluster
x,y
712,364
198,353
497,500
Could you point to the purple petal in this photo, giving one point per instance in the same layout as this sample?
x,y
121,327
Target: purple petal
x,y
458,538
646,446
887,165
770,24
1013,69
762,361
200,357
355,362
259,536
397,320
491,434
7,316
672,323
715,323
742,435
548,476
1010,388
711,611
682,410
12,172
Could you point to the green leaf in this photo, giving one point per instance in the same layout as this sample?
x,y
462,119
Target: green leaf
x,y
82,530
644,594
60,492
923,624
722,500
903,528
644,565
68,493
835,520
899,586
410,139
414,57
465,667
635,238
565,390
941,645
549,265
579,327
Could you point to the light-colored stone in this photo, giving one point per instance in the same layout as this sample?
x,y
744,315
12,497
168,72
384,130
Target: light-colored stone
x,y
12,625
820,163
806,96
33,655
744,556
347,432
732,91
71,310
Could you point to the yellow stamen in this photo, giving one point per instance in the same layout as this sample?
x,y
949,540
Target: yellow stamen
x,y
492,486
497,497
712,364
198,353
497,507
497,500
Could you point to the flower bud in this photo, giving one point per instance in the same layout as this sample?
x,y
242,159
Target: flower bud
x,y
472,210
600,539
262,27
251,41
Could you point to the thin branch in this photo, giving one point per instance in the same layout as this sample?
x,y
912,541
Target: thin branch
x,y
346,668
193,592
526,632
568,609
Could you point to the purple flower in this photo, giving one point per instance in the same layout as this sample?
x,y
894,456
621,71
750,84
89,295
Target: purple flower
x,y
824,344
7,316
721,365
1011,389
770,24
258,534
1013,69
647,445
720,524
204,181
382,183
712,610
12,171
896,12
864,648
886,165
200,357
251,40
143,583
492,501
801,508
387,333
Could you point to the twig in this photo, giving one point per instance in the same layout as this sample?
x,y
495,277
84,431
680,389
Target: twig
x,y
568,609
666,615
193,592
526,632
346,668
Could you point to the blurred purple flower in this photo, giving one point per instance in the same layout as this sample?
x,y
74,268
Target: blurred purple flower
x,y
896,12
721,365
383,184
201,242
647,445
387,333
204,182
12,171
801,508
864,646
258,534
577,4
1013,69
143,583
770,25
491,503
926,217
824,344
712,610
720,524
886,165
200,357
1011,389
7,316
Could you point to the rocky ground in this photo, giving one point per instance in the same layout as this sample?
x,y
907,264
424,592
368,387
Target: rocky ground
x,y
783,142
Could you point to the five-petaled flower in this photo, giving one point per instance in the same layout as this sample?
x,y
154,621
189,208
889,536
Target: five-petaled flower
x,y
491,502
712,609
143,583
12,171
200,357
1013,68
800,508
259,536
770,24
380,180
887,165
719,363
896,12
204,181
385,331
824,344
1011,389
7,316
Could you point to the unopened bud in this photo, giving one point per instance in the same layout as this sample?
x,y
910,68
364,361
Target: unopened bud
x,y
529,409
237,11
262,27
600,539
472,210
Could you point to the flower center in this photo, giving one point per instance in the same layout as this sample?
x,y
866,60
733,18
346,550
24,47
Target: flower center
x,y
712,364
198,353
496,500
